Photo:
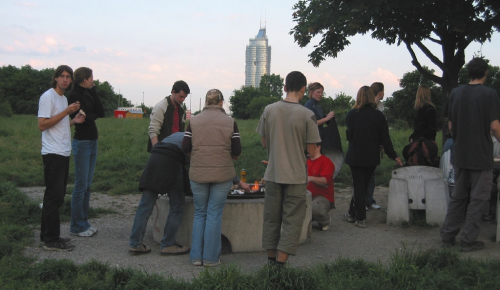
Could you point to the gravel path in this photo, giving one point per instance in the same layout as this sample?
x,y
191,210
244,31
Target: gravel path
x,y
375,243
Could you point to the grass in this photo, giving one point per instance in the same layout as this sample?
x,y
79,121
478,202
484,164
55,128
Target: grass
x,y
122,154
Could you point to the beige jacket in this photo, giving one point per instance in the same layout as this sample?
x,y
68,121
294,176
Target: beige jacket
x,y
211,160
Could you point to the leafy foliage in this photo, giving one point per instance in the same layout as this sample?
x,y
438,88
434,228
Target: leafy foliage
x,y
249,102
22,88
452,24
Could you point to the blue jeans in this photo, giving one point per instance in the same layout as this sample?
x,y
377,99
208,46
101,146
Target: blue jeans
x,y
177,200
85,155
209,201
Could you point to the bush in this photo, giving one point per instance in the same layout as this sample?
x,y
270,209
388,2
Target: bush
x,y
5,109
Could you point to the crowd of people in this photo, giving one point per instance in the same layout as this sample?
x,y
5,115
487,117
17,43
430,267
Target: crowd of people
x,y
291,133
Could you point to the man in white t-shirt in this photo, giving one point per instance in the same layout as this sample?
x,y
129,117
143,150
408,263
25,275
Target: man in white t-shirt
x,y
53,121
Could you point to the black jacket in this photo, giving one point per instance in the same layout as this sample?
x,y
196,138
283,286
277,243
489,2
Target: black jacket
x,y
367,129
425,124
163,168
91,105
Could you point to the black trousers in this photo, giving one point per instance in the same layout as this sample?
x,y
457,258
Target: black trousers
x,y
55,169
360,178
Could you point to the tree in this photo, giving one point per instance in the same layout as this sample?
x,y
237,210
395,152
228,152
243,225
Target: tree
x,y
271,85
399,110
257,105
452,24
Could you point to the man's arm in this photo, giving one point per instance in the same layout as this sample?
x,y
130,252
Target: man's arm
x,y
495,129
449,126
321,181
46,123
156,122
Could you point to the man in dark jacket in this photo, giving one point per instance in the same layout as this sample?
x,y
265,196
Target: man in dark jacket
x,y
165,172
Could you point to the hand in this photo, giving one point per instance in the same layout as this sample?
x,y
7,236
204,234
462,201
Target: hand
x,y
79,118
308,179
73,108
265,162
244,186
398,161
330,115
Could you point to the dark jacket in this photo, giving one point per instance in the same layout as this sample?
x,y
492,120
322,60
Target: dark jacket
x,y
425,123
163,168
91,105
367,129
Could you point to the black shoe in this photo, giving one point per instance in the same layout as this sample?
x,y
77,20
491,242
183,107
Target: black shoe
x,y
58,246
448,244
469,247
487,218
65,240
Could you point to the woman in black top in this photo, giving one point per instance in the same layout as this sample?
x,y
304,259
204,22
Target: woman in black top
x,y
84,148
425,123
367,129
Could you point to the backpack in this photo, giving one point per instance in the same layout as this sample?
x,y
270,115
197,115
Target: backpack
x,y
421,152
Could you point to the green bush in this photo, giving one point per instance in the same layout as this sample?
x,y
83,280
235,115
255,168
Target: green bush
x,y
5,109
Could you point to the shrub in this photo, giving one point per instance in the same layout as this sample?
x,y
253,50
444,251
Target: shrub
x,y
5,109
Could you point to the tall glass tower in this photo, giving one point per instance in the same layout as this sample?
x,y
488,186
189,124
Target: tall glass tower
x,y
258,59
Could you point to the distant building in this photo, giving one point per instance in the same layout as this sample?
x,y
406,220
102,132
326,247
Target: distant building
x,y
258,59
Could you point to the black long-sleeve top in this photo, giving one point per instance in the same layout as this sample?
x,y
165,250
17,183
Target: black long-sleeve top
x,y
91,104
425,124
367,129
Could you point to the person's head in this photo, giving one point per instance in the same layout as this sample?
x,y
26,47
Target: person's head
x,y
84,77
477,68
295,82
423,97
365,97
317,152
315,91
179,93
378,91
214,97
63,78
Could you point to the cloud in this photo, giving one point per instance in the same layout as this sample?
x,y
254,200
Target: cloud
x,y
155,68
384,76
25,4
50,41
79,48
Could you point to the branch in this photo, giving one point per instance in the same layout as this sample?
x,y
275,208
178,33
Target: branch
x,y
435,40
419,67
432,57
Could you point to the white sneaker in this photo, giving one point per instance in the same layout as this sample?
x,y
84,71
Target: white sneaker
x,y
87,233
375,206
92,229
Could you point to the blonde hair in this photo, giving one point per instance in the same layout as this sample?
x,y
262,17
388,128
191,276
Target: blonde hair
x,y
214,97
314,86
423,97
365,96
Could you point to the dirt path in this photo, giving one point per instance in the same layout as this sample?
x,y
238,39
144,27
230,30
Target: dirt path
x,y
375,243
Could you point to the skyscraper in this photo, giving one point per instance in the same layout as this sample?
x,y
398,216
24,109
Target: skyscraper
x,y
258,59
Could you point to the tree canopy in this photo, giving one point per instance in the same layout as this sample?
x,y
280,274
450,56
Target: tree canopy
x,y
452,24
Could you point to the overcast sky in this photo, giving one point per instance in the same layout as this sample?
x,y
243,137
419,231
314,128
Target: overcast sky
x,y
143,47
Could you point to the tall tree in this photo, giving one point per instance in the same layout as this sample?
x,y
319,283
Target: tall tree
x,y
452,24
271,85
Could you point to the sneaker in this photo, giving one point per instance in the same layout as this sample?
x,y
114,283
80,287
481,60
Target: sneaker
x,y
374,206
174,250
87,233
212,264
58,246
65,240
448,244
92,229
469,247
348,218
141,249
197,263
325,228
366,208
360,224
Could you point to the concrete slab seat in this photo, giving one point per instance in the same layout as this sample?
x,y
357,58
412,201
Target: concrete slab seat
x,y
417,188
242,223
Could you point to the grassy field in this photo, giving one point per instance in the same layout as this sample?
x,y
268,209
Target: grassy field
x,y
122,154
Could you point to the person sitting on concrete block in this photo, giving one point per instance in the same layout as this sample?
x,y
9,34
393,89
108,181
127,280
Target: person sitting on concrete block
x,y
320,183
165,172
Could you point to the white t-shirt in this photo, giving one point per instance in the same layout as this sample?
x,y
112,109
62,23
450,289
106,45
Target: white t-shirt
x,y
56,139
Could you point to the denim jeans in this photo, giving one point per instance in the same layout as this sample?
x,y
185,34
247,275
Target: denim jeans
x,y
177,200
85,155
55,169
209,201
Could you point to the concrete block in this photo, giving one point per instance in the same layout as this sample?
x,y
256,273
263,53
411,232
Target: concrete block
x,y
417,188
242,222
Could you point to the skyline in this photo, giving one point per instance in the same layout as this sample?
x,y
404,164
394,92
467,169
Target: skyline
x,y
142,49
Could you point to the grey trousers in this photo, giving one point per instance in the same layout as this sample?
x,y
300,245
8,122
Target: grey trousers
x,y
320,208
473,185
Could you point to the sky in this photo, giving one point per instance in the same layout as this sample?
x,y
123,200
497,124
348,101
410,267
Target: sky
x,y
142,47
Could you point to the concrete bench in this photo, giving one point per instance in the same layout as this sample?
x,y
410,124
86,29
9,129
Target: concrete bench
x,y
242,222
417,188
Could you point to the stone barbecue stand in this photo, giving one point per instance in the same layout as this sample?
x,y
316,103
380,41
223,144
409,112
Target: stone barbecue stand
x,y
242,222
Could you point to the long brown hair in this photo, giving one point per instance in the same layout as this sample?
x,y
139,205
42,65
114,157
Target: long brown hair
x,y
365,96
423,97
